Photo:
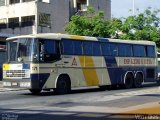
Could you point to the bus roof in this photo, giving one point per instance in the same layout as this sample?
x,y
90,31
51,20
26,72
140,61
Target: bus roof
x,y
59,36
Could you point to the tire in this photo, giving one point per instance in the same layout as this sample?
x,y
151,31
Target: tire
x,y
35,91
63,85
128,81
138,81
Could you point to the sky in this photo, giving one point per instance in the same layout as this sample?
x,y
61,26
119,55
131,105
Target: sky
x,y
121,8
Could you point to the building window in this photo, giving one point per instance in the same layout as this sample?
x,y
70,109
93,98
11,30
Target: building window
x,y
13,22
82,5
44,20
3,45
3,23
2,2
14,1
27,21
28,0
46,1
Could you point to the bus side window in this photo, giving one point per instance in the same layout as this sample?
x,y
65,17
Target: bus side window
x,y
49,51
113,49
150,51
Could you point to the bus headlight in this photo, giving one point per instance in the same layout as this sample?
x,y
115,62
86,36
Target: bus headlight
x,y
6,84
25,84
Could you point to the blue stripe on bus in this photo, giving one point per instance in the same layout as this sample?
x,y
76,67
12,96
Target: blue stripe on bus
x,y
116,73
38,80
112,68
111,61
26,66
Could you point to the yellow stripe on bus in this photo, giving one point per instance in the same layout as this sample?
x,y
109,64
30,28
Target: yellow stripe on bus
x,y
89,71
77,37
88,66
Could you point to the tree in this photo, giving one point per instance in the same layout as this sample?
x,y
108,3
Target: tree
x,y
143,26
90,24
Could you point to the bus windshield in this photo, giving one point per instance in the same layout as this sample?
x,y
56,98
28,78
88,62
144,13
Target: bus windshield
x,y
22,49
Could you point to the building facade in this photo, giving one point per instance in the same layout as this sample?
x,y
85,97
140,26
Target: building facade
x,y
41,16
3,49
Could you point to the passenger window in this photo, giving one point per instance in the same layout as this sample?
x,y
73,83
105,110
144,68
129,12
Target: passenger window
x,y
125,50
96,49
67,47
150,51
113,49
49,50
87,47
105,49
139,50
77,47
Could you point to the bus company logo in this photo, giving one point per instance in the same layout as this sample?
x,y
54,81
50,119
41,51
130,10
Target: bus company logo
x,y
74,63
138,61
34,68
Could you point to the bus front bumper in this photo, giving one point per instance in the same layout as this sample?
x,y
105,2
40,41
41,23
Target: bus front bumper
x,y
16,84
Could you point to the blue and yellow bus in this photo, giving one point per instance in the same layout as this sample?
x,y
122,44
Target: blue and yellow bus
x,y
61,62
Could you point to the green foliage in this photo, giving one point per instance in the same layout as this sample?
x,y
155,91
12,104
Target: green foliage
x,y
91,24
143,26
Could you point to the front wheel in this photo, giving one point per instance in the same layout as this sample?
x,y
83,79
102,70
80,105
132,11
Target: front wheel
x,y
63,85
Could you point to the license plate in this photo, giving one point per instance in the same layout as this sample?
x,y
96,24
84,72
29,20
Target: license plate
x,y
14,84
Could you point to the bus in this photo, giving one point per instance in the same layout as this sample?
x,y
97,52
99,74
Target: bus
x,y
61,62
158,69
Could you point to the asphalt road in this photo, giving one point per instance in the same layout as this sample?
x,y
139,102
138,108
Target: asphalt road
x,y
86,104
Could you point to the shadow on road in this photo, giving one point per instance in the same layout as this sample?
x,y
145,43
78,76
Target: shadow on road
x,y
90,90
27,114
